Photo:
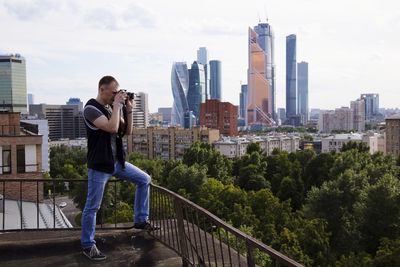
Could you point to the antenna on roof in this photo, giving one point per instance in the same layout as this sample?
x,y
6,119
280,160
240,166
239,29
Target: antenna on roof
x,y
259,20
265,11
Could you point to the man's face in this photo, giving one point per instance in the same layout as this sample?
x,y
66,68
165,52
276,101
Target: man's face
x,y
108,92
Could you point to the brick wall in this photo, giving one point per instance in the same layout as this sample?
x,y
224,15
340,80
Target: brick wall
x,y
29,190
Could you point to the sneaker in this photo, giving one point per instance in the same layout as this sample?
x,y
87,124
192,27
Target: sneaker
x,y
145,226
94,253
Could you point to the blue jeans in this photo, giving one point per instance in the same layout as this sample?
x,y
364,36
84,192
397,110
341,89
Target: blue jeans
x,y
97,181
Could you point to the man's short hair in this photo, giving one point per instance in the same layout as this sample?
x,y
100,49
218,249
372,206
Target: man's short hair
x,y
106,80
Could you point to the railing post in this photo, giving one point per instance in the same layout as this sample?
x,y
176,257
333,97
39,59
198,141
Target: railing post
x,y
250,258
181,232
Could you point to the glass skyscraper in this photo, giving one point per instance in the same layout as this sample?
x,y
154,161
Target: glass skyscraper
x,y
259,82
291,76
243,101
371,105
13,94
196,93
265,39
179,85
215,79
202,58
302,90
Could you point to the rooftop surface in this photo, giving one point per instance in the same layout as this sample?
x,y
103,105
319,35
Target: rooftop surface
x,y
62,248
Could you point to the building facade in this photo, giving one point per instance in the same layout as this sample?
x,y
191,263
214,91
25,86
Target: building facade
x,y
215,80
141,110
233,147
20,157
336,142
243,101
291,76
13,93
219,115
302,91
168,143
358,109
65,121
371,106
202,58
196,92
260,78
179,85
265,39
392,133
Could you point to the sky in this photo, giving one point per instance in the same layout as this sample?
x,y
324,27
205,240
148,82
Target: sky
x,y
352,47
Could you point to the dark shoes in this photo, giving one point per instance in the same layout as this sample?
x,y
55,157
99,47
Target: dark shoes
x,y
145,226
94,253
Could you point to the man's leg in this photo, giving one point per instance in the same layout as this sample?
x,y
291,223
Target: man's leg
x,y
142,181
96,183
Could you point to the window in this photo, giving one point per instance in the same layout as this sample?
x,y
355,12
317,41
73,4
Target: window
x,y
20,158
6,164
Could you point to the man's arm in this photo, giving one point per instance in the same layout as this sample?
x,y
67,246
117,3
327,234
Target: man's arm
x,y
111,125
129,110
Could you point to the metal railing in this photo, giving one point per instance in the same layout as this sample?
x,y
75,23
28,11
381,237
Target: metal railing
x,y
203,239
198,236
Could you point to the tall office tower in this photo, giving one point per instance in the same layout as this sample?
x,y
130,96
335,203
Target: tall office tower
x,y
265,39
141,111
13,83
202,58
259,88
302,90
358,108
243,101
179,85
75,101
65,121
196,93
371,105
31,99
215,79
291,74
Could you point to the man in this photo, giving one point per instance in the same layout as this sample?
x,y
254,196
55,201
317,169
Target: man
x,y
106,158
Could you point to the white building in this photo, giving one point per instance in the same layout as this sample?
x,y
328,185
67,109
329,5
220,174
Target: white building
x,y
374,141
236,146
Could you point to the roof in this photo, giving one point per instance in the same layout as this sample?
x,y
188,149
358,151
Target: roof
x,y
31,215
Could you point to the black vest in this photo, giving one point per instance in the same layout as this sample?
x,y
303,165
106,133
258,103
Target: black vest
x,y
99,154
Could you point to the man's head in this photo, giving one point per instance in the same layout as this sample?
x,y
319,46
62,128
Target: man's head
x,y
108,87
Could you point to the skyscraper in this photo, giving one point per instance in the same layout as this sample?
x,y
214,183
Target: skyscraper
x,y
371,105
196,93
202,58
259,101
75,101
302,90
215,79
179,85
141,111
13,94
243,101
291,75
265,39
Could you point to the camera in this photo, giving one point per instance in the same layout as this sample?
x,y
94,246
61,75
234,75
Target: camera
x,y
130,95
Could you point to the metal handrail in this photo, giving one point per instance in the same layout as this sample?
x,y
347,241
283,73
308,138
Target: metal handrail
x,y
189,236
197,235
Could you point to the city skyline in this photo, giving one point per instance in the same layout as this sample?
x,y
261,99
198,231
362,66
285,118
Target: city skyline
x,y
137,43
